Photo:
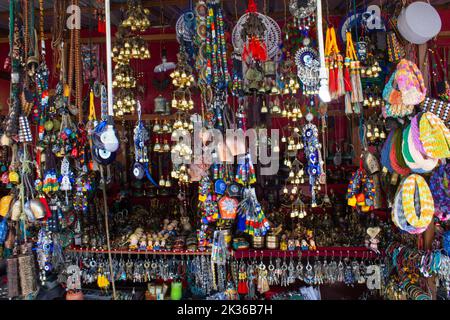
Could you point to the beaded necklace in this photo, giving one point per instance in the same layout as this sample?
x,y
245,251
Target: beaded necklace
x,y
216,65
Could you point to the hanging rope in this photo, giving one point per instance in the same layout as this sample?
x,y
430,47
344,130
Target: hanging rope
x,y
108,243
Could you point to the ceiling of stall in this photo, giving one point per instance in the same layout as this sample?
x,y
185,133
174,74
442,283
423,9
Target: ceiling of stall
x,y
166,12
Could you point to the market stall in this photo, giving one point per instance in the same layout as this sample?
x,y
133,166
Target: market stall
x,y
224,150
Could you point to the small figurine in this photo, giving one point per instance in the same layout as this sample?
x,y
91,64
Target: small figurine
x,y
372,241
310,238
143,244
291,244
283,243
304,246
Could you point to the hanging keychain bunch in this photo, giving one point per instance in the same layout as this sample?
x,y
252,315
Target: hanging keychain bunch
x,y
361,190
252,219
50,183
334,62
66,179
245,173
352,79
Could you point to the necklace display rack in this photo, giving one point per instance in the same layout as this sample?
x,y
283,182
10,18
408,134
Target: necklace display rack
x,y
349,252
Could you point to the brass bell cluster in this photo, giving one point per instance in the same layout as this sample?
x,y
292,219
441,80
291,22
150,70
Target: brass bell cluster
x,y
124,102
183,127
294,143
295,177
126,49
292,109
180,173
182,76
373,97
288,77
375,131
124,77
162,144
182,100
182,149
372,70
137,17
298,209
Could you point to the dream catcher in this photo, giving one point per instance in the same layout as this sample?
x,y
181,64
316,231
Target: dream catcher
x,y
303,12
312,146
257,34
141,138
308,65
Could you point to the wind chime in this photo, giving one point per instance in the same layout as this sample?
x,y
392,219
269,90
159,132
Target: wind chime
x,y
129,46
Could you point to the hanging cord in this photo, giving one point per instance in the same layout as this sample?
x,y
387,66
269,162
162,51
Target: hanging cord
x,y
71,64
26,34
108,243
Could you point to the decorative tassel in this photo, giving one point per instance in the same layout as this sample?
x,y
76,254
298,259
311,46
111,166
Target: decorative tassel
x,y
348,104
332,82
347,80
252,6
340,76
256,48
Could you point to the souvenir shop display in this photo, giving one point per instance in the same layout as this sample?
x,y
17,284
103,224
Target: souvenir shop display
x,y
287,153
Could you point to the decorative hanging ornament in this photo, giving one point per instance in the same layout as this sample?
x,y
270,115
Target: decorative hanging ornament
x,y
303,12
141,137
312,147
308,68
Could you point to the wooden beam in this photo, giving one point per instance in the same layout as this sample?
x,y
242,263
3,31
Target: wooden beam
x,y
148,38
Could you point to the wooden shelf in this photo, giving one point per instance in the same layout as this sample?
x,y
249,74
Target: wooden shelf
x,y
337,252
137,252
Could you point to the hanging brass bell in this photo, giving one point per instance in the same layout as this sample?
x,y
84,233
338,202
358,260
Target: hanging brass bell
x,y
270,68
161,105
